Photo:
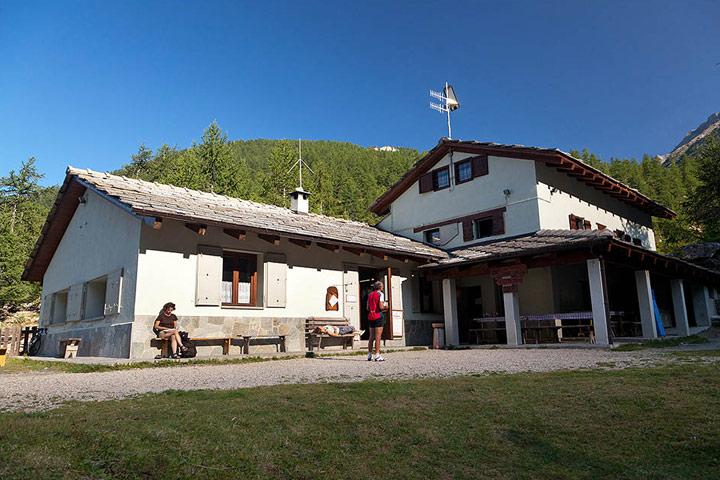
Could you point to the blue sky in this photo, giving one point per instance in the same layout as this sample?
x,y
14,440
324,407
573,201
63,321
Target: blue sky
x,y
85,83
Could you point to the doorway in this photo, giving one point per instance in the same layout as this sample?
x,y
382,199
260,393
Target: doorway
x,y
366,278
470,305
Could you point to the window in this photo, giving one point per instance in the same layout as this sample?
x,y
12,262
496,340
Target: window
x,y
239,279
59,313
441,178
463,171
637,241
433,236
579,223
483,227
95,298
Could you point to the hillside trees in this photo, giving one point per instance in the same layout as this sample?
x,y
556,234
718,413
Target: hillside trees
x,y
23,208
703,207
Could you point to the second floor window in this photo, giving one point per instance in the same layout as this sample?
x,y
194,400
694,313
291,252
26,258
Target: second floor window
x,y
441,178
463,171
484,228
433,236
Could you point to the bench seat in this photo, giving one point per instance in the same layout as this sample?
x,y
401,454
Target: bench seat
x,y
322,340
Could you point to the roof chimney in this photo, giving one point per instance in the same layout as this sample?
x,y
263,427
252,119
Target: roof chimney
x,y
299,201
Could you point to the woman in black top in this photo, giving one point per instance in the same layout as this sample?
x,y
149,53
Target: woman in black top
x,y
165,327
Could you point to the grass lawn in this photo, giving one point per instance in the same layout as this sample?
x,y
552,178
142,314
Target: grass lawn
x,y
641,423
662,343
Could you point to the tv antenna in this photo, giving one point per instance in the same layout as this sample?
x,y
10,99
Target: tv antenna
x,y
450,103
300,162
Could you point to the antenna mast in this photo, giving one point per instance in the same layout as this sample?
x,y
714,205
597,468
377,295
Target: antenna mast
x,y
300,162
450,103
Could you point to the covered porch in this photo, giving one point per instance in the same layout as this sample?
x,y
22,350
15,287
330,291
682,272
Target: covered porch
x,y
569,286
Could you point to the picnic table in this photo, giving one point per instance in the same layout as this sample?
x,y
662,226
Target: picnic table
x,y
550,327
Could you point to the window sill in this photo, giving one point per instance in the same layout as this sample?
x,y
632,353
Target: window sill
x,y
240,307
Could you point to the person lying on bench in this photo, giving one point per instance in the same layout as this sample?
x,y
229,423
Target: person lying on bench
x,y
335,331
165,328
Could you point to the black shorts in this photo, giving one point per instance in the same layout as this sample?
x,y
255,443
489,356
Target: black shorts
x,y
380,322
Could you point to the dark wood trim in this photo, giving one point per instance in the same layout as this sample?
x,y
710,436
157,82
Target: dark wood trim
x,y
355,251
158,223
378,254
474,216
399,257
252,261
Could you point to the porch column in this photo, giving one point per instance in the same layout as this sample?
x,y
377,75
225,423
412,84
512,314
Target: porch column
x,y
512,316
680,311
598,301
701,300
449,289
645,303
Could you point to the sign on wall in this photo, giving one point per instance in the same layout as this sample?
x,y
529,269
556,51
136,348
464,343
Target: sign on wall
x,y
397,323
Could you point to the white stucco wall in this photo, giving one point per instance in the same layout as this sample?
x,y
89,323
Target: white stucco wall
x,y
574,197
413,209
101,238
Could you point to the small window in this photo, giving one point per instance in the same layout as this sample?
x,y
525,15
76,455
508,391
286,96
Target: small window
x,y
433,236
463,172
441,178
484,228
239,279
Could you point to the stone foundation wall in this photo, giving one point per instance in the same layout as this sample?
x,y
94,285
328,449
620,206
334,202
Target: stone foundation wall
x,y
103,341
418,332
196,326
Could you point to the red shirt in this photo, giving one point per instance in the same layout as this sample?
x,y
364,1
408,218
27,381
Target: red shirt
x,y
374,305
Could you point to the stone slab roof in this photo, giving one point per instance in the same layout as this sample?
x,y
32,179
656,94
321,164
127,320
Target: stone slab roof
x,y
159,200
534,243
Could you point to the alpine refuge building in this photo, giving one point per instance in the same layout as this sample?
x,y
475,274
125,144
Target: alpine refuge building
x,y
497,243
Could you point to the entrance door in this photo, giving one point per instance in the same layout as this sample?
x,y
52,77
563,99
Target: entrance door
x,y
367,277
469,306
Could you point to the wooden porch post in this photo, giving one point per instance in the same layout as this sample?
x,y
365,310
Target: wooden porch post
x,y
512,315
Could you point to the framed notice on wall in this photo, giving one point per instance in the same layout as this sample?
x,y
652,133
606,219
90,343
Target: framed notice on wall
x,y
397,323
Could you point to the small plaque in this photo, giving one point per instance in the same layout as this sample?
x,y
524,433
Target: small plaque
x,y
351,298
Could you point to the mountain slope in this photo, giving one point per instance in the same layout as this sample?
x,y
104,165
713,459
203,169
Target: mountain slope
x,y
694,139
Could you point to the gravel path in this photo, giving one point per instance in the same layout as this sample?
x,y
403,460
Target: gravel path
x,y
43,391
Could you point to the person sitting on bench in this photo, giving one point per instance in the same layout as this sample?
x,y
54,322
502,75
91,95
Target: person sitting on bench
x,y
165,328
335,331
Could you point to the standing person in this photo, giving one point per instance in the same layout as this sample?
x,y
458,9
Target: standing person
x,y
376,320
165,327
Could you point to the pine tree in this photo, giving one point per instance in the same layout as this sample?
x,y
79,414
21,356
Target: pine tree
x,y
140,160
215,160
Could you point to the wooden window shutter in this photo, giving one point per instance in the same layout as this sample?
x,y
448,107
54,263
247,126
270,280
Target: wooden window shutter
x,y
587,225
276,281
479,165
75,302
498,224
47,309
573,222
426,182
209,276
113,290
468,230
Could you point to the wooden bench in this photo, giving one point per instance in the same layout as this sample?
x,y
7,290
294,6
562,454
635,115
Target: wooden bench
x,y
321,340
3,353
164,344
277,340
69,347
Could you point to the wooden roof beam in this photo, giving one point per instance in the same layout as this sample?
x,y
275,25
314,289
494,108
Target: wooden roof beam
x,y
236,234
377,254
300,243
274,239
197,228
158,223
328,246
355,251
400,257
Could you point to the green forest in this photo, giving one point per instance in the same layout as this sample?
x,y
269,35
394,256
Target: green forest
x,y
345,180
